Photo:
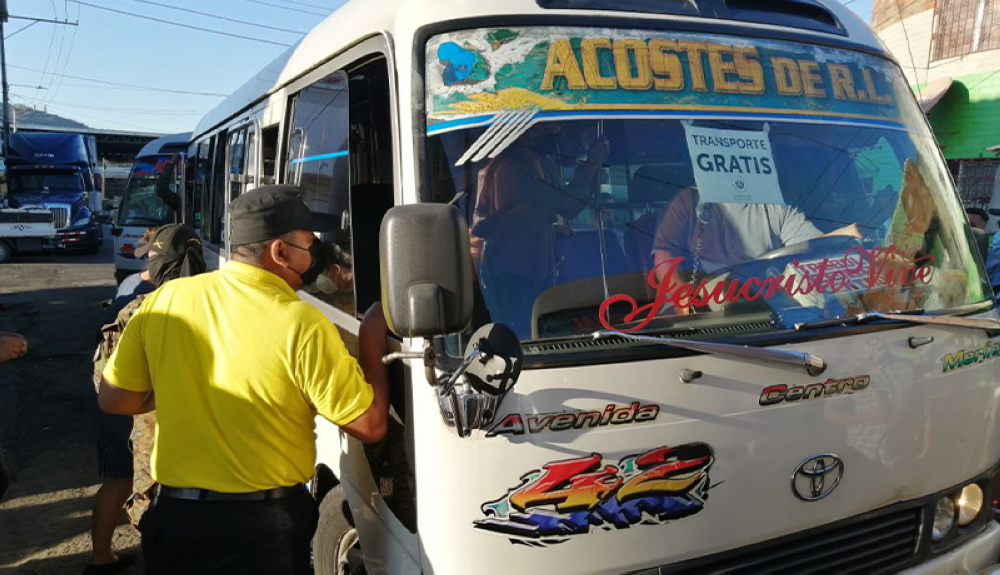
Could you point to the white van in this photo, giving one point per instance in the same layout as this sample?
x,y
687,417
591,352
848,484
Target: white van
x,y
714,244
140,207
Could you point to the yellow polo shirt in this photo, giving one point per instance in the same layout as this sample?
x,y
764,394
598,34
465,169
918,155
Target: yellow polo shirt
x,y
240,366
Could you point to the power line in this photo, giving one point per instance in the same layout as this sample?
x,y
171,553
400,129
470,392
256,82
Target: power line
x,y
186,26
134,86
217,17
19,30
73,112
909,48
287,8
151,111
62,44
309,5
48,53
72,44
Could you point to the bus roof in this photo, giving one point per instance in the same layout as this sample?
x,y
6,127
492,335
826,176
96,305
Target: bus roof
x,y
360,19
163,145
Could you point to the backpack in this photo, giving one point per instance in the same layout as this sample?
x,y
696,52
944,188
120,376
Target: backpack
x,y
108,338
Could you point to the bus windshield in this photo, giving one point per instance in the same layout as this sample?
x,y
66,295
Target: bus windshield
x,y
140,205
652,182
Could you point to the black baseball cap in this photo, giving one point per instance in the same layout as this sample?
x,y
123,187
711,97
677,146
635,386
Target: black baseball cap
x,y
272,211
994,211
171,240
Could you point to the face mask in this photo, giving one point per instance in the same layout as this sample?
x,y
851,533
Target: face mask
x,y
319,262
327,285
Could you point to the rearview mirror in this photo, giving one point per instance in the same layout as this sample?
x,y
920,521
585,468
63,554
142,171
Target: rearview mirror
x,y
426,270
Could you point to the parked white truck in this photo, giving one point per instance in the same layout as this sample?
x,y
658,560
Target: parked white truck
x,y
25,230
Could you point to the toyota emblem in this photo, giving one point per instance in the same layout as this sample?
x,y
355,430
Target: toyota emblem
x,y
817,477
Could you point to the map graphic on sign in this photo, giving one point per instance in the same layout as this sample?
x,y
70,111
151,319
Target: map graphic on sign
x,y
733,166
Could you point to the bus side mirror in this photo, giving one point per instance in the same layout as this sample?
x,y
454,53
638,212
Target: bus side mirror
x,y
426,270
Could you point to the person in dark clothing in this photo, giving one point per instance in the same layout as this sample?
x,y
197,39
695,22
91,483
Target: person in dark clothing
x,y
172,251
12,346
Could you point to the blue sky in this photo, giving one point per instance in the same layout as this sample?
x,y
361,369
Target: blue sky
x,y
114,47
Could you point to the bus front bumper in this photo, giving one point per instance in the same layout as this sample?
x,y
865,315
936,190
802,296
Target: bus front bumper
x,y
978,556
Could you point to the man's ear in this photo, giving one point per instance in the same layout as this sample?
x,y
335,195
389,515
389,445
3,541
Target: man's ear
x,y
276,251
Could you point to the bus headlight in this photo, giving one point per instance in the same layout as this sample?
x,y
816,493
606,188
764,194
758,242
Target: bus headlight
x,y
944,518
969,503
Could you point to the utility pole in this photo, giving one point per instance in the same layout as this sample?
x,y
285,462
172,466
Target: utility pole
x,y
4,16
3,71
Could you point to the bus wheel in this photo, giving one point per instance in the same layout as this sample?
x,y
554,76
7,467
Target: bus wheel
x,y
336,546
5,251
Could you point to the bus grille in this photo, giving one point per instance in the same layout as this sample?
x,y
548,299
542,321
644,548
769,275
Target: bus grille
x,y
874,546
60,216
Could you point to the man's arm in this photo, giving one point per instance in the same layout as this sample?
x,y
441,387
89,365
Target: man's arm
x,y
120,401
370,426
163,192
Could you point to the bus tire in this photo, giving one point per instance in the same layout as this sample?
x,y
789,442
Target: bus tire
x,y
336,546
6,251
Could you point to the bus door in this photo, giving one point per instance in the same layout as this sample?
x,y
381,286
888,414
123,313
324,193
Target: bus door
x,y
241,161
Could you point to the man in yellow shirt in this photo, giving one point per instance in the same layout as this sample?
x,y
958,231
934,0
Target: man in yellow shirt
x,y
239,367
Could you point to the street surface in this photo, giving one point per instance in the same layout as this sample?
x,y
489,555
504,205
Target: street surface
x,y
47,410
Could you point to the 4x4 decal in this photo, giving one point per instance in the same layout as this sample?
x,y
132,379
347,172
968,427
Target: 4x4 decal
x,y
566,498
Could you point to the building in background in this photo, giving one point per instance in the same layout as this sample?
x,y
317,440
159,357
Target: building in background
x,y
950,53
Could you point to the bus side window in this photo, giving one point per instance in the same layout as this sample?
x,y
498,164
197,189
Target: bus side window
x,y
202,191
190,199
237,166
216,226
268,155
318,163
371,173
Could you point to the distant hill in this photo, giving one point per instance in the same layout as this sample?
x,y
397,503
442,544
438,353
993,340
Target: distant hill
x,y
30,116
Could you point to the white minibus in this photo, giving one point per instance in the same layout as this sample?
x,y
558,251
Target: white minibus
x,y
680,287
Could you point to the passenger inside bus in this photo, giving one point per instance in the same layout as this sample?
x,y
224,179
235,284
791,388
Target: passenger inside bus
x,y
522,196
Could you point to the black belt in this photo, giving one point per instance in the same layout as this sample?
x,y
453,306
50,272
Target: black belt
x,y
194,494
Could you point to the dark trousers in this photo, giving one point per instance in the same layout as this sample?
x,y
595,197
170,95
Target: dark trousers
x,y
272,537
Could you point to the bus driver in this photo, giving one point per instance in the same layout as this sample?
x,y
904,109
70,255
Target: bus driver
x,y
709,237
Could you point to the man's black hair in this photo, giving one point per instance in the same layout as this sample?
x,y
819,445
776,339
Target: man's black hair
x,y
978,212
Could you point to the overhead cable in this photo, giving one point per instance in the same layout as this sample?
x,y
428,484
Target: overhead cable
x,y
19,30
151,111
186,26
134,86
309,5
70,112
53,93
273,5
217,17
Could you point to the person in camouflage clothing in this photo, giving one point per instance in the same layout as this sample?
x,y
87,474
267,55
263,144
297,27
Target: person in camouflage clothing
x,y
173,251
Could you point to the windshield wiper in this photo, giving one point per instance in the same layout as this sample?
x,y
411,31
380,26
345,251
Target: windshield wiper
x,y
807,361
910,316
